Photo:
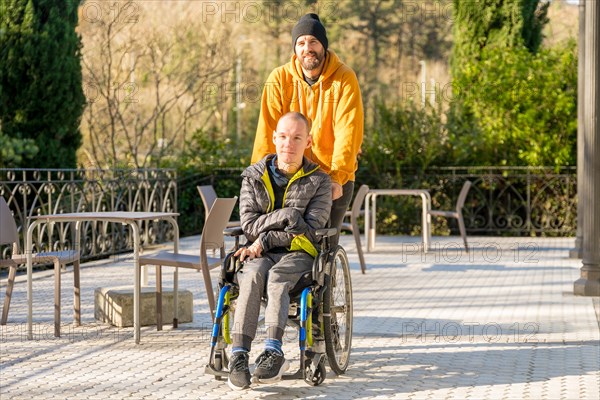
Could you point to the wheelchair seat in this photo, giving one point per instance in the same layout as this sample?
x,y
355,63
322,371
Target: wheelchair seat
x,y
324,294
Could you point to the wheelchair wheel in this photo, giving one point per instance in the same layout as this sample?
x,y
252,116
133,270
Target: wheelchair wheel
x,y
337,312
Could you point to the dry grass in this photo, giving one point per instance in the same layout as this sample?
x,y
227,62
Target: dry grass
x,y
564,22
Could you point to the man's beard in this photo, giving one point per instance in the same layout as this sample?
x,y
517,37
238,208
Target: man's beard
x,y
315,62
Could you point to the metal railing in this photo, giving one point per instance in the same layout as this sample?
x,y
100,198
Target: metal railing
x,y
502,201
519,201
522,201
31,192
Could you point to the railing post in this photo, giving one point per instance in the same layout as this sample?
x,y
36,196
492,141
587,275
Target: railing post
x,y
589,282
577,252
528,223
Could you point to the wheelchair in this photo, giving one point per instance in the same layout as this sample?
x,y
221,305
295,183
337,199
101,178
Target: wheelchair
x,y
320,308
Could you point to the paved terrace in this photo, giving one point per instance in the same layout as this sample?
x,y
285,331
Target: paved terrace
x,y
500,323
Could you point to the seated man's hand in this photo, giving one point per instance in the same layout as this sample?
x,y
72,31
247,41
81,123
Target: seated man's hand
x,y
251,252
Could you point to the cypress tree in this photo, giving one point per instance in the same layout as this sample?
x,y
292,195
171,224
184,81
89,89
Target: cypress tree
x,y
481,28
41,96
507,23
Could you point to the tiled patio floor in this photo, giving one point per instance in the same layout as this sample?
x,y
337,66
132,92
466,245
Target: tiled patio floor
x,y
498,323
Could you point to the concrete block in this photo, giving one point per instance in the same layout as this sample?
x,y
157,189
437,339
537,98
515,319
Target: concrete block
x,y
115,306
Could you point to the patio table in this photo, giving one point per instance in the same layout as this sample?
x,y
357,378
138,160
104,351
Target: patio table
x,y
131,218
371,213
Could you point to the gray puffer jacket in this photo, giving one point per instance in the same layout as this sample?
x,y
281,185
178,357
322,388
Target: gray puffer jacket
x,y
306,207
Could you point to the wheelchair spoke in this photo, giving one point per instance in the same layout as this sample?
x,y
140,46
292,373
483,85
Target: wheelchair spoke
x,y
339,309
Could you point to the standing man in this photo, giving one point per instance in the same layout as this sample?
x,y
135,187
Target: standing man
x,y
317,84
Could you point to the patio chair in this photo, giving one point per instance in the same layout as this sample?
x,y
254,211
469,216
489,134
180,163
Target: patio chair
x,y
457,213
212,238
209,195
9,235
352,226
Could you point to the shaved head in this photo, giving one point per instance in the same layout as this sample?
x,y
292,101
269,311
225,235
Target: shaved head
x,y
298,117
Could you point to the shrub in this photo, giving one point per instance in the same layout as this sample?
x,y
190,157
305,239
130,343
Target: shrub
x,y
522,108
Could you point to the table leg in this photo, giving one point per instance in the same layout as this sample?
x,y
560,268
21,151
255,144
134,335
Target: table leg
x,y
175,297
29,251
57,274
137,281
77,277
175,274
367,221
428,222
373,231
76,294
144,275
370,221
424,225
427,218
159,319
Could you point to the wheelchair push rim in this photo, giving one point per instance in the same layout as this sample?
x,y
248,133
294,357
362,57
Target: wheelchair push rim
x,y
337,312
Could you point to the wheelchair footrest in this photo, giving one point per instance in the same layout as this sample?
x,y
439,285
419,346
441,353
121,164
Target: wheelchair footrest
x,y
296,375
209,369
312,358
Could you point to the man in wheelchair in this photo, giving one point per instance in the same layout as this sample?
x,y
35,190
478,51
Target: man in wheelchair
x,y
284,199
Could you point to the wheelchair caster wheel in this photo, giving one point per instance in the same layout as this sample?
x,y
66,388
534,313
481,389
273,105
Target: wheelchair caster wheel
x,y
318,376
218,363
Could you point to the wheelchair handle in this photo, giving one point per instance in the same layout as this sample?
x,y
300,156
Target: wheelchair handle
x,y
326,232
233,231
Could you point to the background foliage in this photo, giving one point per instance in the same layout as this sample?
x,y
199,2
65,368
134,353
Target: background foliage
x,y
161,77
178,84
41,95
523,108
514,99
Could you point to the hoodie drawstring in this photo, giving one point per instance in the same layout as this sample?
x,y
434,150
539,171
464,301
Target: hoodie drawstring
x,y
299,85
320,106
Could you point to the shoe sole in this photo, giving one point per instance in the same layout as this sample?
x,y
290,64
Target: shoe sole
x,y
232,386
284,368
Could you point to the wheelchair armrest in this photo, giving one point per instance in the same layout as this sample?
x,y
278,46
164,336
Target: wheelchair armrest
x,y
326,232
233,231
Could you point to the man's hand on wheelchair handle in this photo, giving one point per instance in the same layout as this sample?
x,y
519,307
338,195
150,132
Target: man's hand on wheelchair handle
x,y
251,252
336,190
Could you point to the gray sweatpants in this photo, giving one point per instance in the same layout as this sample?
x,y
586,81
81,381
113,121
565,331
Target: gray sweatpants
x,y
278,273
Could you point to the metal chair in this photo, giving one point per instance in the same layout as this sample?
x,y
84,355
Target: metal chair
x,y
9,235
457,213
212,238
352,226
208,196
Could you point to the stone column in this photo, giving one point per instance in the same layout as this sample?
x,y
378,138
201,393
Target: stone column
x,y
589,282
577,252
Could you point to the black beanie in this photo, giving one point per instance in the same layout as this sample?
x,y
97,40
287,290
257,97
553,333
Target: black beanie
x,y
310,24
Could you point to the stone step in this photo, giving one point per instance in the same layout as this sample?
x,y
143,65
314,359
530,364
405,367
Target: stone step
x,y
114,305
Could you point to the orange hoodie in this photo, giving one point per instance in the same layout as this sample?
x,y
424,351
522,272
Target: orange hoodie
x,y
333,105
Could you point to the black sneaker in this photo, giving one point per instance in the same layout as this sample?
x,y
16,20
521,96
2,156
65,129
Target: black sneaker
x,y
239,373
270,366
